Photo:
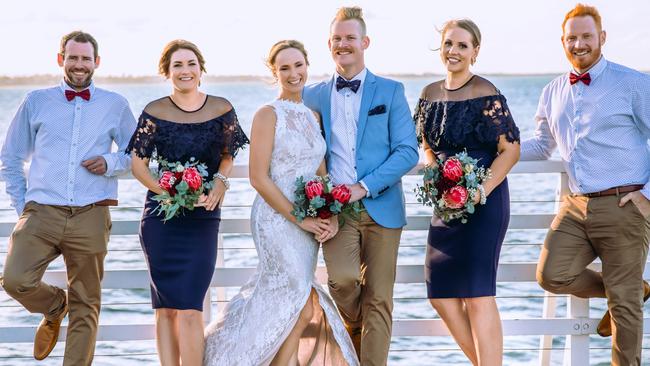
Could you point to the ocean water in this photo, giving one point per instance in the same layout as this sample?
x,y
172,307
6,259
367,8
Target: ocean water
x,y
529,194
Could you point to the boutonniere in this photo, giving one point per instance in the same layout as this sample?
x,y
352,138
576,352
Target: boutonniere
x,y
377,110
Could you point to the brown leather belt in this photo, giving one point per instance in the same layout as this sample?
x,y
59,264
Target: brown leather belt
x,y
614,191
106,202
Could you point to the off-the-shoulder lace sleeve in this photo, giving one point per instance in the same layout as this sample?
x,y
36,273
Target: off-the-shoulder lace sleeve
x,y
496,120
142,141
234,138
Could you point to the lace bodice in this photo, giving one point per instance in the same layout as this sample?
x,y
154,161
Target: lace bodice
x,y
471,117
298,148
166,131
252,327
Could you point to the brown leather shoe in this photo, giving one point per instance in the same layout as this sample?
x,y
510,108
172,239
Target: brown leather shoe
x,y
605,325
47,334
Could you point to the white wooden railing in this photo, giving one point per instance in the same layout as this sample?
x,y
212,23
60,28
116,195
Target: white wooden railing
x,y
576,326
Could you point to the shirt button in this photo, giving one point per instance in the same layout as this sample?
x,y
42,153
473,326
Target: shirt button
x,y
78,108
71,163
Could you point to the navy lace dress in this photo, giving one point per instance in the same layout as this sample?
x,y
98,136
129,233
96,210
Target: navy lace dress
x,y
462,259
181,253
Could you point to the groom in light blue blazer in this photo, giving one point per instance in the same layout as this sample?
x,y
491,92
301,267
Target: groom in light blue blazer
x,y
371,144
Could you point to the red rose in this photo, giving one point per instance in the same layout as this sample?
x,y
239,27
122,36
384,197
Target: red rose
x,y
313,188
167,181
341,193
452,169
192,177
324,213
455,197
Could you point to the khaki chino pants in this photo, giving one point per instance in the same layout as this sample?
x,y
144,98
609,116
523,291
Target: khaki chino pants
x,y
361,261
587,228
80,234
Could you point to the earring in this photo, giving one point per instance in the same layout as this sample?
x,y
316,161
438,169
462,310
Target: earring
x,y
473,61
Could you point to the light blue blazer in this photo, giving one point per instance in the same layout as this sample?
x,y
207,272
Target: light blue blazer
x,y
386,144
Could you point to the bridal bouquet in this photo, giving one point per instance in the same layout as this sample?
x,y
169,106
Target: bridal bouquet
x,y
320,198
452,186
182,184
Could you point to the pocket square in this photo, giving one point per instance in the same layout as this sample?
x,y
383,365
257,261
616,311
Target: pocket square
x,y
377,110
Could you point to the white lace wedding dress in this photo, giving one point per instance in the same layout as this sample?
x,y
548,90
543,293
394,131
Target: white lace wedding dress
x,y
253,326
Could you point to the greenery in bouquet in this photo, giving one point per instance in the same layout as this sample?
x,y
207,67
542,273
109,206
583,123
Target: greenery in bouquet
x,y
320,198
452,185
182,185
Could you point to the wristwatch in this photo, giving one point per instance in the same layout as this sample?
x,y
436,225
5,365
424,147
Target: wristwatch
x,y
223,179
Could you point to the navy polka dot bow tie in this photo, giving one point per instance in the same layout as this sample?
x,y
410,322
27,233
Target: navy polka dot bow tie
x,y
342,83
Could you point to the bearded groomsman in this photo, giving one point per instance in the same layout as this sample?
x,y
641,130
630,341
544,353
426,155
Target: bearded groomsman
x,y
598,117
66,132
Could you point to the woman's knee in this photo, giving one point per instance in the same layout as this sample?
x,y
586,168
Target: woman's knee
x,y
189,316
166,314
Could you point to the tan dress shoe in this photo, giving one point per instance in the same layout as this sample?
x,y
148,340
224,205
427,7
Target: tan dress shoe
x,y
604,328
47,334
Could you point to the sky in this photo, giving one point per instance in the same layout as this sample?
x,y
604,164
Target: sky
x,y
519,36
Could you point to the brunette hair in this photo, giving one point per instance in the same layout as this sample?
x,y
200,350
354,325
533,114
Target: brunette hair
x,y
173,46
583,10
350,13
283,45
81,37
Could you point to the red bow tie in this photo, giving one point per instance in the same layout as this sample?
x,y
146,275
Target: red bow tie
x,y
585,78
84,94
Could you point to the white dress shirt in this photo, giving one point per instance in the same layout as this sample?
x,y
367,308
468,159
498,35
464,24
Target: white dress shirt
x,y
601,130
56,135
345,116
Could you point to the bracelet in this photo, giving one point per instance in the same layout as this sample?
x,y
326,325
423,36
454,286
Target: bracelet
x,y
483,196
223,179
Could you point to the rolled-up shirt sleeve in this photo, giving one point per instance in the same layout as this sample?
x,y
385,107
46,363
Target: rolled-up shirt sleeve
x,y
16,151
540,146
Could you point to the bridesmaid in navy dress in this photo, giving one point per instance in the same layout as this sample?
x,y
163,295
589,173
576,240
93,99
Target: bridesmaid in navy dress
x,y
181,252
466,112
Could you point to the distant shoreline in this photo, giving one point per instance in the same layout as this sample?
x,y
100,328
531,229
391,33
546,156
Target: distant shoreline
x,y
49,79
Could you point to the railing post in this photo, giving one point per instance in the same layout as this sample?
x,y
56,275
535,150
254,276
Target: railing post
x,y
550,302
576,351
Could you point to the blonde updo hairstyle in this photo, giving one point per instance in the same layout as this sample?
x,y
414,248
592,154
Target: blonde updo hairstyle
x,y
465,24
280,46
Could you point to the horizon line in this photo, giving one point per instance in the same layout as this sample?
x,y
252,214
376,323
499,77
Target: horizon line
x,y
9,80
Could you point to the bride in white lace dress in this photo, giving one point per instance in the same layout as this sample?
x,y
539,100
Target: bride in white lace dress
x,y
282,316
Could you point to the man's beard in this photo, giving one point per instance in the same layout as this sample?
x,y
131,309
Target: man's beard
x,y
584,65
84,83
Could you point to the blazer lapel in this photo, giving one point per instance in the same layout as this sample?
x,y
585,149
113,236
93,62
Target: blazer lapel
x,y
366,99
325,102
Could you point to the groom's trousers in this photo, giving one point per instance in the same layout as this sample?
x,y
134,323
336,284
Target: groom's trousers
x,y
586,228
42,234
361,261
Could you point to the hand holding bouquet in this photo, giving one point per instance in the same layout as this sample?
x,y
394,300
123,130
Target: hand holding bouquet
x,y
182,185
452,186
320,198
